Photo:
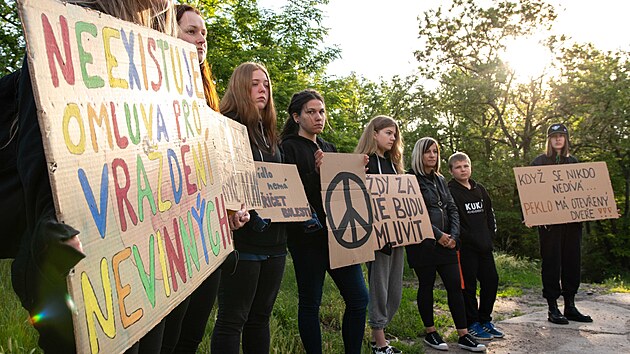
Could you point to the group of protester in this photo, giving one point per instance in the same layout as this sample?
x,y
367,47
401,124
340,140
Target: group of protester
x,y
248,283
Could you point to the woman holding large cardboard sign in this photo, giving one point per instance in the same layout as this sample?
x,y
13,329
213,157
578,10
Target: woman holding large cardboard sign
x,y
382,142
247,294
308,242
49,249
560,245
439,254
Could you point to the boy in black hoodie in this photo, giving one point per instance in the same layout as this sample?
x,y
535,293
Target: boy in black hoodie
x,y
477,229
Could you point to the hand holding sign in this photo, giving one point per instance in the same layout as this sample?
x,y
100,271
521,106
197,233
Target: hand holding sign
x,y
319,159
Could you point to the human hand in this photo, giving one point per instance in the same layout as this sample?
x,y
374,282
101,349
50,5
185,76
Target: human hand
x,y
366,160
444,240
75,243
447,241
319,158
239,218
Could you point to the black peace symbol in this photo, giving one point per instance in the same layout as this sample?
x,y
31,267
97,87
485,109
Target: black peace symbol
x,y
351,217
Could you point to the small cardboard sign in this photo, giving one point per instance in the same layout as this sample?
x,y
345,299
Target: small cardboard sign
x,y
281,193
237,167
129,141
558,194
399,213
348,210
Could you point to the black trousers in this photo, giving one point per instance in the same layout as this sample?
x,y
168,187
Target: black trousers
x,y
246,299
560,247
479,266
186,324
452,282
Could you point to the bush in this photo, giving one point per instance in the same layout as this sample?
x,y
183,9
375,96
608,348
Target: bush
x,y
514,237
605,250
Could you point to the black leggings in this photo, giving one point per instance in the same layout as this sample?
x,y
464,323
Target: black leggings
x,y
186,324
452,282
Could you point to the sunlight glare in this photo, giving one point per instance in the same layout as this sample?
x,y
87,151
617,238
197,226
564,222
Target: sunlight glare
x,y
527,57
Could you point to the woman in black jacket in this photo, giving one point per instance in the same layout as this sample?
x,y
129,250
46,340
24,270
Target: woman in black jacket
x,y
308,243
560,245
439,254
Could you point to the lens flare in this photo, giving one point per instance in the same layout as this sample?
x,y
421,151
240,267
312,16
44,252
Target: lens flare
x,y
38,318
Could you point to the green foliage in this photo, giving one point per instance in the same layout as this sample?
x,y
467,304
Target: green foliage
x,y
16,333
11,39
513,236
288,43
520,272
594,93
618,284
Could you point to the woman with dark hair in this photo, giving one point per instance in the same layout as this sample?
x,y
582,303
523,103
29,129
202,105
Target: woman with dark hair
x,y
308,243
248,292
560,245
438,254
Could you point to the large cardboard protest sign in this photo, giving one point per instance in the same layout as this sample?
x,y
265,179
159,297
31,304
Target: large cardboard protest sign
x,y
558,194
348,209
281,193
400,216
237,168
129,145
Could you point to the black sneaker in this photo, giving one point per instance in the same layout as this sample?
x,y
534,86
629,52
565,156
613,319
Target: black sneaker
x,y
385,350
434,341
469,343
393,349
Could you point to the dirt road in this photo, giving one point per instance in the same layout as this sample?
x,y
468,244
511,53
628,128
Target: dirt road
x,y
530,332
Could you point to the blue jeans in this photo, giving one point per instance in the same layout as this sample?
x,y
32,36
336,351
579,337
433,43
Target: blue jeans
x,y
246,299
311,262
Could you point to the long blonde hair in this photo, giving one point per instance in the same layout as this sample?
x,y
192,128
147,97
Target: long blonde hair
x,y
238,100
367,142
156,14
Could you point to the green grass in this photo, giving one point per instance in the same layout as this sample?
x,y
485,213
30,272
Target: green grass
x,y
515,274
618,284
406,329
16,333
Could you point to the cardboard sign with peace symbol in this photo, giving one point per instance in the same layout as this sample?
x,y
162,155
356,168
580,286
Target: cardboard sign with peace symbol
x,y
348,210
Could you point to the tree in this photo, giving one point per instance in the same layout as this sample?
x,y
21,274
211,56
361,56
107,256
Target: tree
x,y
593,93
288,43
11,39
485,111
463,46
